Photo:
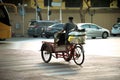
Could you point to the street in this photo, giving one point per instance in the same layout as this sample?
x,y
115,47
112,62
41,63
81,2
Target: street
x,y
20,59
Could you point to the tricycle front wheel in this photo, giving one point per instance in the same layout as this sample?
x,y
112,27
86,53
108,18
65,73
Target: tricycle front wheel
x,y
78,56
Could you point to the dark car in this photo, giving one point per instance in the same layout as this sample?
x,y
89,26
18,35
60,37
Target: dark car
x,y
37,28
51,30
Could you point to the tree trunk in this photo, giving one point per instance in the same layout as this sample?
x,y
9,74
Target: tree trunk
x,y
83,12
82,15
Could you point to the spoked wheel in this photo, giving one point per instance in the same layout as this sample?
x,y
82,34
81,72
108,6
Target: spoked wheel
x,y
46,54
78,56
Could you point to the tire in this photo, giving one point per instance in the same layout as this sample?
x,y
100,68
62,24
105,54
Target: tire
x,y
78,56
47,36
104,35
41,35
114,34
35,36
46,54
2,39
93,37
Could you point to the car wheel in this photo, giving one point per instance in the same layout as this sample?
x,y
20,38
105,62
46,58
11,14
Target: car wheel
x,y
47,36
42,34
35,36
93,37
2,39
104,35
114,34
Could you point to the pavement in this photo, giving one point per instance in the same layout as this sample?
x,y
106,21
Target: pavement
x,y
27,65
12,64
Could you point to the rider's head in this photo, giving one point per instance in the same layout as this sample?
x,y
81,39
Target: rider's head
x,y
70,19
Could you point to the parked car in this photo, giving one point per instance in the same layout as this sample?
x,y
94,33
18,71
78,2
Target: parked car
x,y
51,30
93,30
37,28
115,29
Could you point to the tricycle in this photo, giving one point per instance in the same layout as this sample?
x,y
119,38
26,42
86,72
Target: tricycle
x,y
72,50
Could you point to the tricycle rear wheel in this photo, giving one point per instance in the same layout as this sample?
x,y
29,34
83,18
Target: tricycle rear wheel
x,y
46,54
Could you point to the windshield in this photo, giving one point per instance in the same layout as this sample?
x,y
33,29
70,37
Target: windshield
x,y
4,17
117,25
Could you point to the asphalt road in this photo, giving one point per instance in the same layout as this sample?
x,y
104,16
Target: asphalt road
x,y
20,59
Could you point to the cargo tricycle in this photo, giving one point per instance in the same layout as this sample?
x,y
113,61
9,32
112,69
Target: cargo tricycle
x,y
72,49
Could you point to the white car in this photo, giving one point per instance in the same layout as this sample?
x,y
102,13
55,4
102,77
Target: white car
x,y
115,29
93,30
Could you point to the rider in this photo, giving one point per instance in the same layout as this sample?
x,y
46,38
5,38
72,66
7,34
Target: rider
x,y
68,27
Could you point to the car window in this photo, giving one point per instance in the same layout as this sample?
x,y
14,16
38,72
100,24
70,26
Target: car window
x,y
117,25
60,26
93,27
45,23
32,22
55,25
85,26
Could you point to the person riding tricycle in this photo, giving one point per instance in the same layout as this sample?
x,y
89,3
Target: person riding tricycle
x,y
66,45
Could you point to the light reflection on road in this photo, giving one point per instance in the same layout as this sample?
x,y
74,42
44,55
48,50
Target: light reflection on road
x,y
23,43
105,47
